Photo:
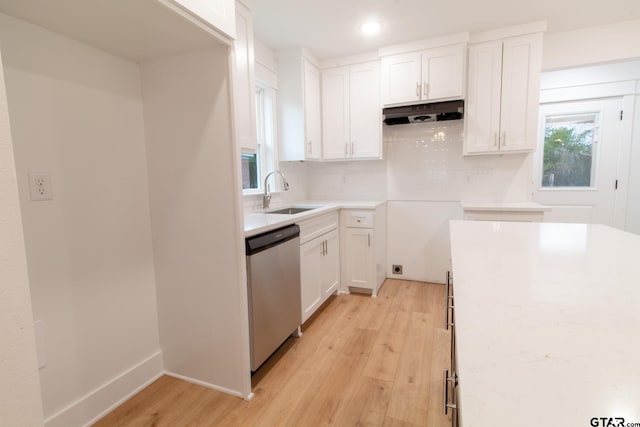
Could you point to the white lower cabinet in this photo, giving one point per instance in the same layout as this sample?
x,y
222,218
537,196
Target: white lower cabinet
x,y
319,263
363,242
359,253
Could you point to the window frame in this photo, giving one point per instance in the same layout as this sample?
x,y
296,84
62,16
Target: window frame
x,y
266,135
595,152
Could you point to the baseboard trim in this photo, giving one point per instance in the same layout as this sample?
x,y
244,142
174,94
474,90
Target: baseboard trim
x,y
110,395
209,385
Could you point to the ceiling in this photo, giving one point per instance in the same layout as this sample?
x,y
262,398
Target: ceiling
x,y
330,28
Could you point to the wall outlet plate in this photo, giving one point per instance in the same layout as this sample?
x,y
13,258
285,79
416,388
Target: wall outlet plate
x,y
40,186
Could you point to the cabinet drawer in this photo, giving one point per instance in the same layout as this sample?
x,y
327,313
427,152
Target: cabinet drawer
x,y
312,228
358,219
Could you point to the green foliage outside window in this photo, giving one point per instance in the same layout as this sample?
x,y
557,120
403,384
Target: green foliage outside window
x,y
568,156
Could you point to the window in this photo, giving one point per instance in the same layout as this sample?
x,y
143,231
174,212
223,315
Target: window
x,y
569,150
256,165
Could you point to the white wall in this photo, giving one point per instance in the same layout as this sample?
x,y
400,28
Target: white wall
x,y
20,401
604,43
195,205
76,113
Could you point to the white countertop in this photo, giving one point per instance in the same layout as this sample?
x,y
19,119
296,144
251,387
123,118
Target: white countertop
x,y
261,221
547,323
505,206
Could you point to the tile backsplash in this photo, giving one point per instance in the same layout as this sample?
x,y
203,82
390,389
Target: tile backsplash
x,y
423,161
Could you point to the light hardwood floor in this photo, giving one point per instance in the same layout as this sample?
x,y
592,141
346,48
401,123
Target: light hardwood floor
x,y
361,361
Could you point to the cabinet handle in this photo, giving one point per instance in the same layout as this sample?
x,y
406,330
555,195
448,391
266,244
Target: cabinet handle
x,y
368,239
495,139
309,147
352,148
326,247
425,89
446,301
346,149
446,379
453,350
418,89
504,138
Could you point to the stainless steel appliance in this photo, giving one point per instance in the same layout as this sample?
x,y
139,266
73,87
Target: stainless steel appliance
x,y
273,279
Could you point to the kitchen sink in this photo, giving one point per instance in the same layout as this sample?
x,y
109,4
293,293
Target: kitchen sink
x,y
291,211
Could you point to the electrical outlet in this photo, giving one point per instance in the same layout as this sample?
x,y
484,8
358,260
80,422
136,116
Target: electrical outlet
x,y
396,269
40,186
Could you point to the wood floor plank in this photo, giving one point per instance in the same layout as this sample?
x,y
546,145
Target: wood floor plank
x,y
384,358
360,361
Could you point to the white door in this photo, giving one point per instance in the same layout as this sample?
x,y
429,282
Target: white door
x,y
335,113
312,111
521,62
442,75
482,115
576,161
311,254
331,264
360,267
401,78
366,119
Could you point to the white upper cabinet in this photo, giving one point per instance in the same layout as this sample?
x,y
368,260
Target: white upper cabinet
x,y
365,111
299,108
244,81
335,113
431,74
502,102
312,111
351,121
213,14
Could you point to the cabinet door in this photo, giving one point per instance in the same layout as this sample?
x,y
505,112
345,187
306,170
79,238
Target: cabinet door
x,y
482,115
244,82
521,65
331,265
335,113
401,78
311,260
312,111
366,120
443,72
359,258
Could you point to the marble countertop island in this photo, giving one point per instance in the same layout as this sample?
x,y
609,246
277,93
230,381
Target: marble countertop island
x,y
547,320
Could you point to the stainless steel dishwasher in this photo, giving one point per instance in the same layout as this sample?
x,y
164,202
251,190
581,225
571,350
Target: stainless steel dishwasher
x,y
273,280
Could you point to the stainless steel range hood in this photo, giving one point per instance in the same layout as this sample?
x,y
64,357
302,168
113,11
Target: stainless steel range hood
x,y
421,113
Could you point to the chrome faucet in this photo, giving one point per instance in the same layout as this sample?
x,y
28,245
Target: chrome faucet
x,y
266,198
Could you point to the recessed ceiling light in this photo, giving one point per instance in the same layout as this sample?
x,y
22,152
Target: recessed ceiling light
x,y
370,27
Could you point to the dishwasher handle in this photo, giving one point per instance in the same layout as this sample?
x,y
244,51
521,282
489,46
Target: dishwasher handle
x,y
264,241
